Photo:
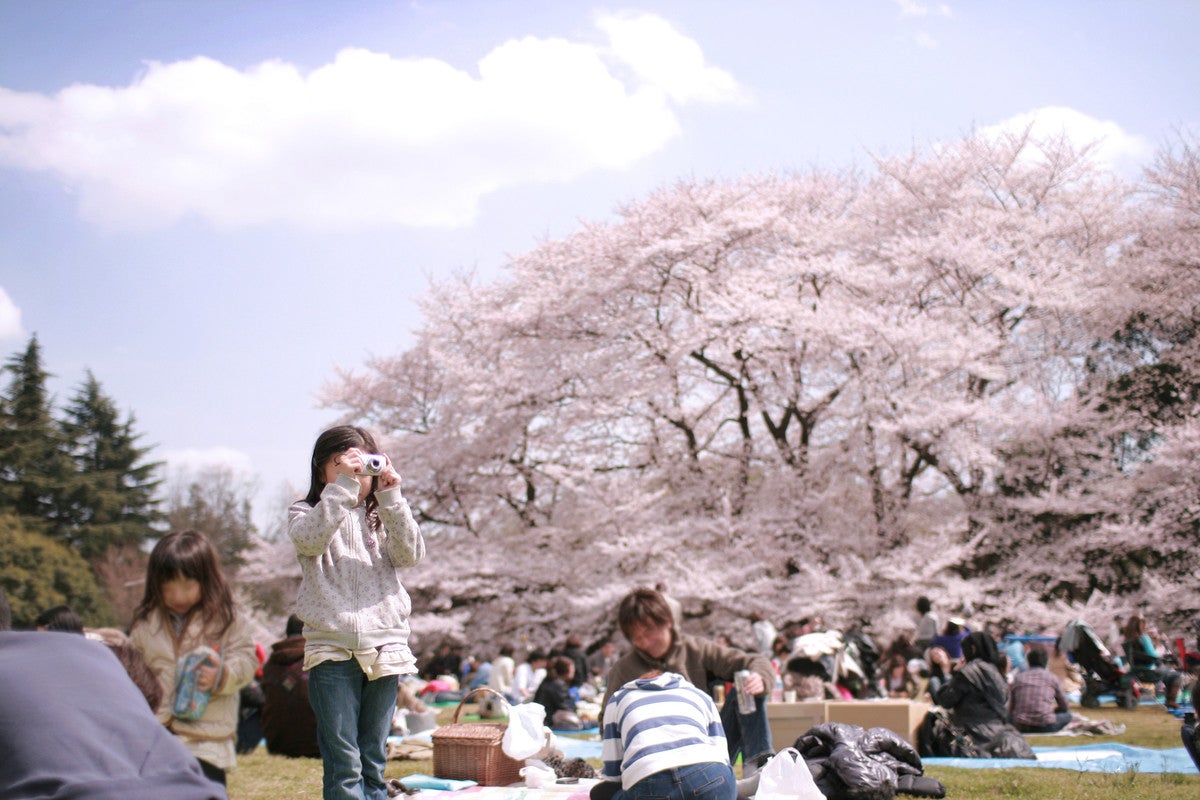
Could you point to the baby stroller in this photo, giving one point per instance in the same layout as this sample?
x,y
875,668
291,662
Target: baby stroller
x,y
1103,674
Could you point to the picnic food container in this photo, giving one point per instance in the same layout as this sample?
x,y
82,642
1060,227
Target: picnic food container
x,y
472,750
190,703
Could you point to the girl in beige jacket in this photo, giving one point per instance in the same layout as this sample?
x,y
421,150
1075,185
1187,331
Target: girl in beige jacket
x,y
187,604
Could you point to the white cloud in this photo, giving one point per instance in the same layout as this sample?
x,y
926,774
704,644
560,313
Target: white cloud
x,y
366,140
10,318
1112,147
666,59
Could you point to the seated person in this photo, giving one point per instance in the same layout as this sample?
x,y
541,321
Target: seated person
x,y
1037,702
898,681
59,618
977,698
950,639
940,670
1146,661
663,739
554,695
528,676
94,736
288,722
646,620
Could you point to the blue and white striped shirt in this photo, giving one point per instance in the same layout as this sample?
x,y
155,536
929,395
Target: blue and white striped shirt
x,y
658,724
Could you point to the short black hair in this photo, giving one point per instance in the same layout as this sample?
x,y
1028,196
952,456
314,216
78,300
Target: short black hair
x,y
295,626
1037,656
59,618
924,605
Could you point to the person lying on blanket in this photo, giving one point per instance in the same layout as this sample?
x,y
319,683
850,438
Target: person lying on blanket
x,y
663,739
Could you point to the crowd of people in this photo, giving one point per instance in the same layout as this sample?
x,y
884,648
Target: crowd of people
x,y
343,676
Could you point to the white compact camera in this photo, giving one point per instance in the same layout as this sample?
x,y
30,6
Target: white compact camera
x,y
373,464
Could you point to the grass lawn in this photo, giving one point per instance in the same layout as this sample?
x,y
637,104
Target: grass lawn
x,y
261,776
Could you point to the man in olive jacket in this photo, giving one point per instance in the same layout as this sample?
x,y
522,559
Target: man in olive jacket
x,y
647,622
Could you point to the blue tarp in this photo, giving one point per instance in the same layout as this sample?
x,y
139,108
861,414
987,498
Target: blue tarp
x,y
1112,757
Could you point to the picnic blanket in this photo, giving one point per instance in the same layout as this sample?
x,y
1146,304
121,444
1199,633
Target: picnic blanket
x,y
560,792
1110,757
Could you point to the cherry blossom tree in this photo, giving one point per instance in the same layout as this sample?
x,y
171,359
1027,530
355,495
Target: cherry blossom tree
x,y
819,391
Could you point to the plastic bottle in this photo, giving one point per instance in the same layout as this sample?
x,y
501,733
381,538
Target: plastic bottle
x,y
190,702
777,690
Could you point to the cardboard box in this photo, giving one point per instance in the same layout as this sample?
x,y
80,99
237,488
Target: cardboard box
x,y
902,716
789,721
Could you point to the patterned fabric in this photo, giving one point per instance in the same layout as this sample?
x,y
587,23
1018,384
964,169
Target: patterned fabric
x,y
658,724
1034,697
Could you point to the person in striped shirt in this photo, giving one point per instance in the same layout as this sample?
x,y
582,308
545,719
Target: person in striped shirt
x,y
663,739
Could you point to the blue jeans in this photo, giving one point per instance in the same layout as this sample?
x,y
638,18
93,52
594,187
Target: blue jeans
x,y
354,717
1061,720
710,781
750,734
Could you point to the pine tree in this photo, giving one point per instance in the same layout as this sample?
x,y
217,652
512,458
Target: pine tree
x,y
112,493
34,467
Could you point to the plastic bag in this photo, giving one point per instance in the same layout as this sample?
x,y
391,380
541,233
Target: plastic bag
x,y
526,734
537,775
786,777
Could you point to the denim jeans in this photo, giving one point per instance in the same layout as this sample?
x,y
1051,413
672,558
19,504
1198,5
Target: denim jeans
x,y
748,734
710,781
354,717
1061,720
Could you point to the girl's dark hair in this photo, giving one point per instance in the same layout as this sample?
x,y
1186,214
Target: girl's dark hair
x,y
59,618
188,554
981,646
561,667
329,444
1134,628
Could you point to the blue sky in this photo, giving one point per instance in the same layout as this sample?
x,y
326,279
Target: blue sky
x,y
215,205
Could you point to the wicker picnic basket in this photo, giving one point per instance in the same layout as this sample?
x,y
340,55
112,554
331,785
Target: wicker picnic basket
x,y
471,750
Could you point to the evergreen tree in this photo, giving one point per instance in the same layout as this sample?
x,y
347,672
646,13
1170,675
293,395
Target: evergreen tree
x,y
34,467
111,496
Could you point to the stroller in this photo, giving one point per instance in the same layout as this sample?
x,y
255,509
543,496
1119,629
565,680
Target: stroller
x,y
1103,674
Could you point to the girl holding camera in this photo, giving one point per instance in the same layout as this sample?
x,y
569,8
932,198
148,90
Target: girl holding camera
x,y
352,533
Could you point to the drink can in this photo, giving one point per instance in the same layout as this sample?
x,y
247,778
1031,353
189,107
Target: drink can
x,y
744,698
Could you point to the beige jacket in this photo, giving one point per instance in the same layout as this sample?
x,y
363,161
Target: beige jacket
x,y
211,738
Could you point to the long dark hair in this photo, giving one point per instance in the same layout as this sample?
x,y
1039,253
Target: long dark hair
x,y
329,444
188,554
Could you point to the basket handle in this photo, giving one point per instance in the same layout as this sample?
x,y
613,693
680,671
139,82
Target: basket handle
x,y
473,692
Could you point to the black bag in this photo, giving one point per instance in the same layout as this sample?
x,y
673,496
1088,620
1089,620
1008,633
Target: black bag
x,y
940,737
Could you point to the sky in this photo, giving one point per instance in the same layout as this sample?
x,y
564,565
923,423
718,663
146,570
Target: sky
x,y
216,205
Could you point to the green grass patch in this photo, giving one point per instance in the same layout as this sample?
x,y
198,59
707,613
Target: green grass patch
x,y
261,776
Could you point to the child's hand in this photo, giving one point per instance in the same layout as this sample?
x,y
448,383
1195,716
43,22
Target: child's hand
x,y
206,676
349,462
389,478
